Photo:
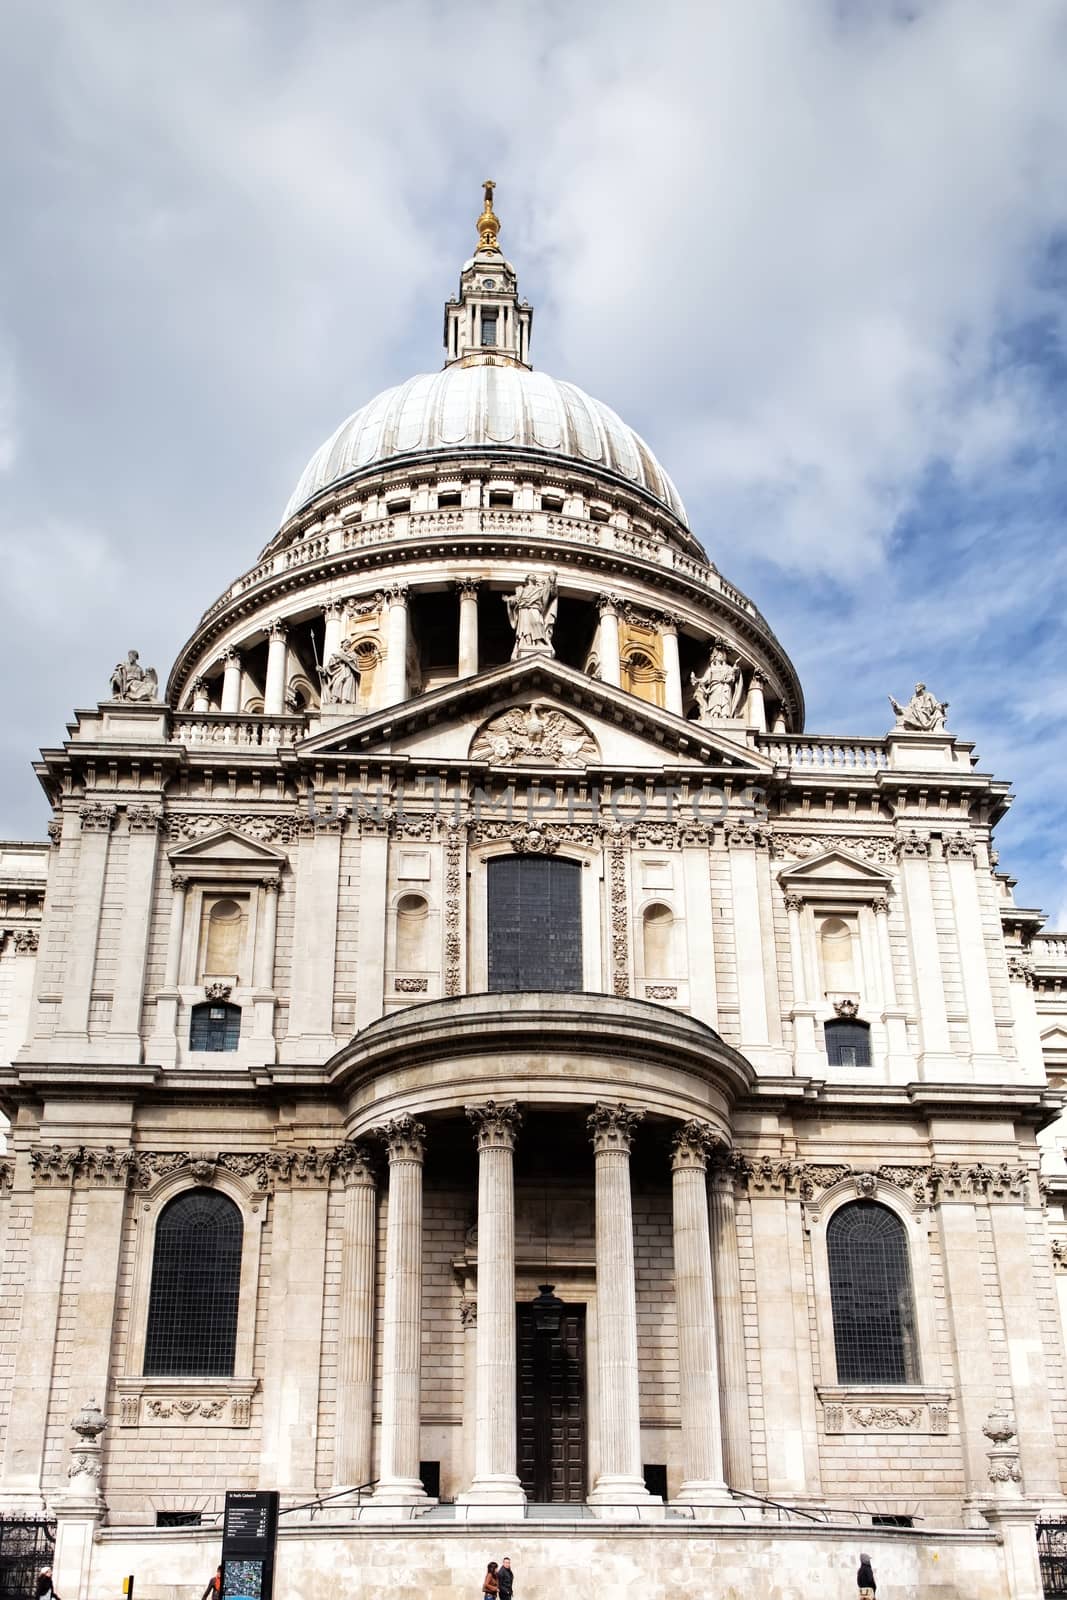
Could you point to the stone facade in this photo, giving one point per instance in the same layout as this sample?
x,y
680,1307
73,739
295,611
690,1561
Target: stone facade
x,y
413,1150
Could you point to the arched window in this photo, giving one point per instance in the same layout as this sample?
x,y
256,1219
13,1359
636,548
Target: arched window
x,y
848,1043
215,1025
657,927
870,1295
412,914
535,924
838,958
225,936
196,1277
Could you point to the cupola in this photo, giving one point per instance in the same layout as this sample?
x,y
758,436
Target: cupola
x,y
488,325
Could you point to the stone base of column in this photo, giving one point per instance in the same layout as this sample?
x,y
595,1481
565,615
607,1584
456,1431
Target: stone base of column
x,y
500,1489
396,1500
622,1499
1014,1524
705,1492
77,1522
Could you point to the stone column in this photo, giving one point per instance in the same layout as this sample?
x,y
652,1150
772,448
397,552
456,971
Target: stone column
x,y
352,1463
80,960
806,1057
733,1369
937,1059
277,664
79,1510
495,1482
620,1480
396,646
263,966
756,710
398,1478
974,962
702,1463
467,589
333,613
671,665
201,696
162,1046
608,639
142,848
315,937
893,1016
231,682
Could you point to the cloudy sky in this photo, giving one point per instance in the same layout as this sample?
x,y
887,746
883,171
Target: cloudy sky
x,y
816,252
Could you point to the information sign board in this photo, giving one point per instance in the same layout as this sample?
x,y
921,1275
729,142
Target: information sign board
x,y
249,1535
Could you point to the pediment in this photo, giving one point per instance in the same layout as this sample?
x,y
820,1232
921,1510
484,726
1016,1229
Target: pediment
x,y
490,720
1055,1039
836,872
226,847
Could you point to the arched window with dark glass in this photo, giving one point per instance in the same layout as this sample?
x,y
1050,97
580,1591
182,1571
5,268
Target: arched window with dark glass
x,y
534,924
215,1025
871,1297
848,1043
196,1281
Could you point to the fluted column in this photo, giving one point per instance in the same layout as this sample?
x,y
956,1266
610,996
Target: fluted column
x,y
333,615
277,661
398,1478
672,689
355,1336
396,648
495,1482
703,1482
468,627
231,682
610,663
733,1369
620,1479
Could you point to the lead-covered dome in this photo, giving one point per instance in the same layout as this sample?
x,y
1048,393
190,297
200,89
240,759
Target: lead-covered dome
x,y
479,406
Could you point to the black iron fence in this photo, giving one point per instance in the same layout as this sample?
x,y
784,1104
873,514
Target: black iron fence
x,y
1052,1549
26,1545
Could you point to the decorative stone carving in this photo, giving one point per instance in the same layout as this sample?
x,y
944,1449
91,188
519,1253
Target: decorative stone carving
x,y
939,1419
534,734
496,1124
958,847
924,713
739,834
834,1416
1021,970
880,905
798,846
468,587
217,991
403,1137
411,985
468,1313
1005,1473
613,1127
131,681
85,1464
661,991
672,835
143,819
216,1403
203,1171
253,825
354,1163
718,689
793,902
532,614
693,1145
534,841
185,1408
7,1174
129,1410
846,1008
454,910
1059,1256
884,1418
55,829
340,676
241,1410
867,1184
620,912
26,941
911,846
96,818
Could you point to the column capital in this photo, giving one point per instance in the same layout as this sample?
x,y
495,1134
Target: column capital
x,y
232,656
608,604
793,902
26,941
613,1127
669,622
396,594
692,1147
200,685
143,819
467,588
179,882
880,905
271,885
334,607
496,1124
404,1139
277,629
353,1164
911,846
96,818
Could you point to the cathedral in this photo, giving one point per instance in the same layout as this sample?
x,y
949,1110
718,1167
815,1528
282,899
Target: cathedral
x,y
477,1066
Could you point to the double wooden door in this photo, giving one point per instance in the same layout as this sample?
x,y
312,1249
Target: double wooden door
x,y
552,1410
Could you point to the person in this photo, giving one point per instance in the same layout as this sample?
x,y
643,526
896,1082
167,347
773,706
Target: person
x,y
490,1583
214,1585
44,1584
506,1579
865,1579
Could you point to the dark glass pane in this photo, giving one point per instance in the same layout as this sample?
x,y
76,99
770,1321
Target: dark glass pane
x,y
488,329
215,1027
196,1280
870,1293
535,924
848,1044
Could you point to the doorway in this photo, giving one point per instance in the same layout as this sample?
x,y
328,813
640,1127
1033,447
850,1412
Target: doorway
x,y
552,1408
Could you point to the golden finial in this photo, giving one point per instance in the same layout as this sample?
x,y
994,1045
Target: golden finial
x,y
488,222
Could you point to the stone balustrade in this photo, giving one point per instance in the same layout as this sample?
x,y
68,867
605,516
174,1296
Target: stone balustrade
x,y
240,733
852,755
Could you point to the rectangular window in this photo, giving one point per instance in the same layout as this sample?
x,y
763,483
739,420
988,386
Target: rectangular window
x,y
500,497
448,502
535,924
488,327
551,502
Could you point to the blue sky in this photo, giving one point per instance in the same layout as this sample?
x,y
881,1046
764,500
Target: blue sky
x,y
815,253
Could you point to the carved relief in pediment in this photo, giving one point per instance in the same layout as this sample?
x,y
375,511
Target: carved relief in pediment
x,y
534,735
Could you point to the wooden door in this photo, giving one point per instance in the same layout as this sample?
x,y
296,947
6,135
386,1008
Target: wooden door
x,y
551,1406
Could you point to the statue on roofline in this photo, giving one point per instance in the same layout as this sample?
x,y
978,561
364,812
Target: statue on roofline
x,y
532,613
131,681
924,712
718,689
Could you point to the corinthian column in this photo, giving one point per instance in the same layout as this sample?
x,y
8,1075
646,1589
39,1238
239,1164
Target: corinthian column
x,y
733,1371
355,1337
467,589
277,667
703,1482
620,1479
608,644
398,1480
495,1482
396,644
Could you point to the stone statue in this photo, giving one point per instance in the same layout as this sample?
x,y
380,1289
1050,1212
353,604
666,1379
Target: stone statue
x,y
924,713
532,613
340,678
131,681
719,688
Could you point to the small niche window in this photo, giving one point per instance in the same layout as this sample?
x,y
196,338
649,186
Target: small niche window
x,y
412,921
225,923
598,514
501,497
837,948
658,930
551,502
394,507
871,1296
848,1042
196,1281
488,327
215,1025
450,501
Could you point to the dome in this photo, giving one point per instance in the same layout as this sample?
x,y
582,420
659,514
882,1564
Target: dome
x,y
479,406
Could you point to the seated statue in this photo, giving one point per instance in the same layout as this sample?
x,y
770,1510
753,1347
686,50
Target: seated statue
x,y
924,713
131,681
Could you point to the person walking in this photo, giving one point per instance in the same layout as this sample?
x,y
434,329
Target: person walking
x,y
44,1584
865,1579
490,1583
506,1579
214,1585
